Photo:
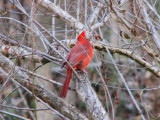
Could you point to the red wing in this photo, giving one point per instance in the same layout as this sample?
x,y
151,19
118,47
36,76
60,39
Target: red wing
x,y
77,54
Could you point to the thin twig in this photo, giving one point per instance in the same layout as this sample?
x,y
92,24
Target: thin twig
x,y
13,115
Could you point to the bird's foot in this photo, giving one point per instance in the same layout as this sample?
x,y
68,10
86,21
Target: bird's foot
x,y
84,71
79,70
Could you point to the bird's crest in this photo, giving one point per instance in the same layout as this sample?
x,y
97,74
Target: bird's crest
x,y
82,35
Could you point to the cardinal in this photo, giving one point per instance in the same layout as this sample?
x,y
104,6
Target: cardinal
x,y
78,57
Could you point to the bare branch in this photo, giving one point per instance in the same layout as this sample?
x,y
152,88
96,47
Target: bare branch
x,y
13,115
131,55
88,95
19,52
150,51
45,56
101,24
50,6
95,13
149,24
126,85
19,6
41,77
53,100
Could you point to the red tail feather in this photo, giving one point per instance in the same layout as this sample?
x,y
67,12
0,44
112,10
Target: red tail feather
x,y
66,83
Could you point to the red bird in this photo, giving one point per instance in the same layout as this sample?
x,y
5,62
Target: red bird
x,y
78,57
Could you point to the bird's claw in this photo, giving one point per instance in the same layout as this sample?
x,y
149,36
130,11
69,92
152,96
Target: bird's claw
x,y
84,71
